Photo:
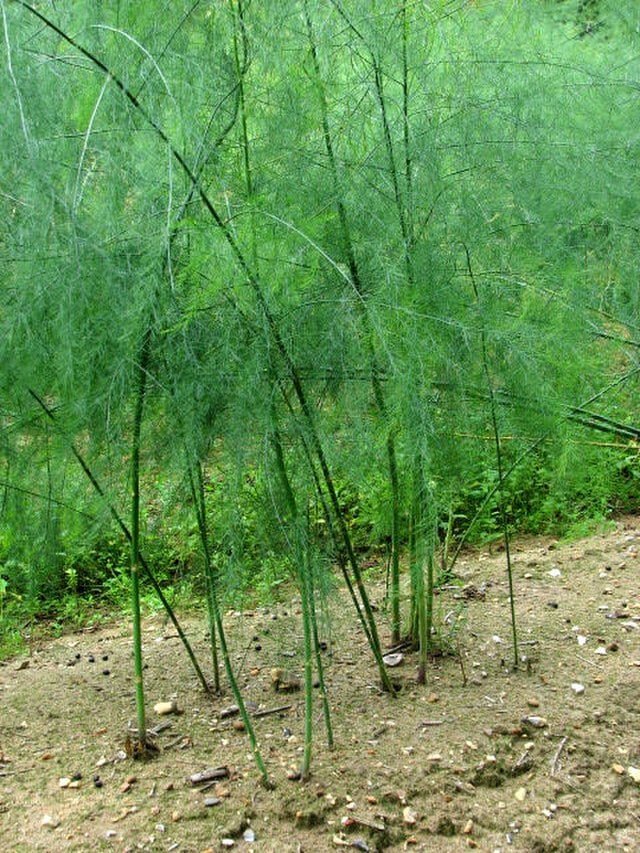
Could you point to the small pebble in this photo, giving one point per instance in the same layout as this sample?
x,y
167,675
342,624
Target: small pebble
x,y
634,772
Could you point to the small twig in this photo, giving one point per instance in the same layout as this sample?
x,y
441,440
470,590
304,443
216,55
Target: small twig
x,y
556,757
399,647
174,742
231,711
461,662
211,773
161,727
591,662
379,732
522,760
426,723
266,712
351,821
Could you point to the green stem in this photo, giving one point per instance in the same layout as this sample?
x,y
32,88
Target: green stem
x,y
303,569
197,494
496,435
362,307
218,627
326,710
141,381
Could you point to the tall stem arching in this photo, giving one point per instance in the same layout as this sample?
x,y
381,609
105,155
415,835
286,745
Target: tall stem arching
x,y
499,462
356,281
95,483
255,284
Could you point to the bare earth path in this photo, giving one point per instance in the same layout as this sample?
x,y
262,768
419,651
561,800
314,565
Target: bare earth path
x,y
544,759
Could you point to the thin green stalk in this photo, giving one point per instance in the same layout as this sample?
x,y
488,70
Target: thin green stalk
x,y
127,534
429,600
413,562
307,593
141,381
326,710
240,57
496,434
301,556
419,606
303,570
366,612
200,509
197,495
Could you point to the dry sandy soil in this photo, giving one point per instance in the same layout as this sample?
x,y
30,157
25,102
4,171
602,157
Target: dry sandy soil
x,y
540,759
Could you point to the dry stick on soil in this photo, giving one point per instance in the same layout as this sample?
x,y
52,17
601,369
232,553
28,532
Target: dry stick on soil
x,y
127,534
267,712
556,757
255,284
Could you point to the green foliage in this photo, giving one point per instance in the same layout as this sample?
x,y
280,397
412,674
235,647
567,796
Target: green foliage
x,y
441,199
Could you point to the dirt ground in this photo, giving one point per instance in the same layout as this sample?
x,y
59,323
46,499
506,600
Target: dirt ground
x,y
545,758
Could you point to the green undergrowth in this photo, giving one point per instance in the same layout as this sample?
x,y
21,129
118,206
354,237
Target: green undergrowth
x,y
546,496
